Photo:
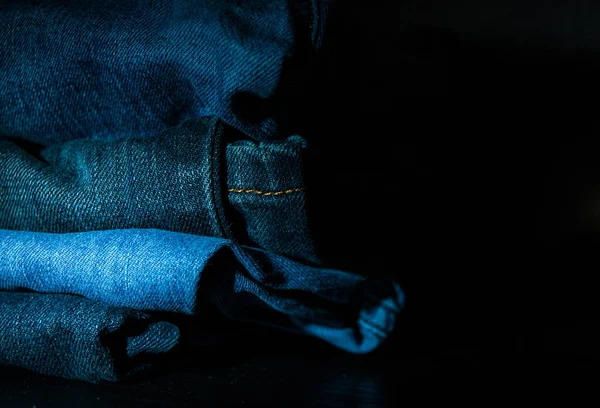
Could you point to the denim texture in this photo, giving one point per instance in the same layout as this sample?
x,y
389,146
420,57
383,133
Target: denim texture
x,y
123,68
165,182
266,188
155,270
77,338
179,180
146,168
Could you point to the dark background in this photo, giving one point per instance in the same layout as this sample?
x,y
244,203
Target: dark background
x,y
454,149
466,166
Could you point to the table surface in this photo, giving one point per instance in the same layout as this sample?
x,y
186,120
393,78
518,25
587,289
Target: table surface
x,y
286,369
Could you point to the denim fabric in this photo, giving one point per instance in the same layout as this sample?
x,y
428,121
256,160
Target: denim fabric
x,y
125,68
177,181
165,182
157,270
77,338
266,188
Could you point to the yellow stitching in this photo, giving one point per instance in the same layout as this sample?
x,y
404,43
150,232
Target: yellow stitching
x,y
265,193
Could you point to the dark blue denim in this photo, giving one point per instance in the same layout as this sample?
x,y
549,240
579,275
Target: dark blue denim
x,y
77,338
184,179
153,270
267,192
125,68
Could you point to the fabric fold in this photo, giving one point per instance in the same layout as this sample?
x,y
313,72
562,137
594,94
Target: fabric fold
x,y
266,188
125,68
181,180
155,270
170,181
77,338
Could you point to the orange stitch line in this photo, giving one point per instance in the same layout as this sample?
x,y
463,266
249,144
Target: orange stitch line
x,y
265,193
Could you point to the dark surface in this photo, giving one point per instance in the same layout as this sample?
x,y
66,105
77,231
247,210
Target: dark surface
x,y
493,237
269,368
287,371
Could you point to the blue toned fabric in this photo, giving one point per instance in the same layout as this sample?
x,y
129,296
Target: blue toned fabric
x,y
125,68
267,190
179,180
76,338
169,182
155,270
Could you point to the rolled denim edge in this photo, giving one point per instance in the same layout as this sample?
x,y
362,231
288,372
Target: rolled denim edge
x,y
371,328
257,193
159,337
219,179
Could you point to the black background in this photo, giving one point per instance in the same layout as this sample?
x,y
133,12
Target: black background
x,y
454,148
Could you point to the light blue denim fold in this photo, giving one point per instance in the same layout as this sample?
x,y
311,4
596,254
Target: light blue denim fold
x,y
155,270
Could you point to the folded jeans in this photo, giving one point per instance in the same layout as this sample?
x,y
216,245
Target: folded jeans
x,y
153,270
77,338
187,179
125,68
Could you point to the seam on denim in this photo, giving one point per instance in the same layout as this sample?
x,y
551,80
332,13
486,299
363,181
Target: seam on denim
x,y
366,318
265,193
247,261
216,141
373,329
372,301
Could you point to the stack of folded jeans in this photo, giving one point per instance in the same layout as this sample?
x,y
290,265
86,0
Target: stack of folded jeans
x,y
145,173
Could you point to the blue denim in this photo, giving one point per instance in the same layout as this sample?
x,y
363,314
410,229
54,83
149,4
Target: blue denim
x,y
125,190
185,179
78,338
124,68
153,270
267,191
